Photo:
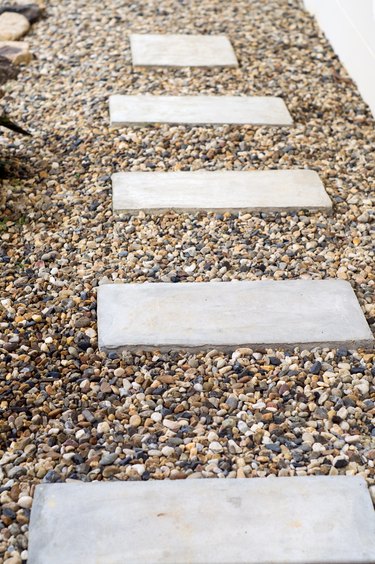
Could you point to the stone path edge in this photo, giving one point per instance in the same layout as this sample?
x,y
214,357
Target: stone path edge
x,y
50,499
366,341
119,183
123,108
135,40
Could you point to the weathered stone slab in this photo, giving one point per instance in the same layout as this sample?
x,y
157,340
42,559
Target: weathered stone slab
x,y
301,520
198,110
227,315
219,191
182,51
13,26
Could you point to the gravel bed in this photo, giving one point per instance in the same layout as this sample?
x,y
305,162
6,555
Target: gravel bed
x,y
68,411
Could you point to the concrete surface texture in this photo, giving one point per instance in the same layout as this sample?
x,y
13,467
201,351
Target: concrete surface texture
x,y
198,110
178,50
219,191
298,520
226,315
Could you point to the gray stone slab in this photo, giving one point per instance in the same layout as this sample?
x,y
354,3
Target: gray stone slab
x,y
198,110
219,191
227,315
182,50
301,520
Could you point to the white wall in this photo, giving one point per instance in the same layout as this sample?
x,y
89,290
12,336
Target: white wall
x,y
350,27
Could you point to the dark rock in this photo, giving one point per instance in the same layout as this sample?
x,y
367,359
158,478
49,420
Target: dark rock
x,y
53,374
357,370
349,402
341,463
275,361
10,347
52,477
341,352
316,367
274,447
7,512
84,344
8,71
82,322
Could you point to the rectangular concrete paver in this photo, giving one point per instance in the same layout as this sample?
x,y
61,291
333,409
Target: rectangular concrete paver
x,y
182,50
198,110
230,314
301,520
219,191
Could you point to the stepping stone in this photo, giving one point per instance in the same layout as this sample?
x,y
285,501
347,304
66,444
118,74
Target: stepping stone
x,y
219,191
301,520
182,51
198,110
226,315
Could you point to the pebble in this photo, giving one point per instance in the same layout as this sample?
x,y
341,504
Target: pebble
x,y
363,387
108,458
135,421
215,446
13,26
25,502
103,427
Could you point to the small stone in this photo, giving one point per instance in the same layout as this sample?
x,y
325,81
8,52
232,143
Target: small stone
x,y
108,458
233,447
216,447
82,322
52,477
8,71
316,367
85,386
340,462
88,416
25,501
16,472
232,402
351,439
103,428
167,451
91,333
135,420
275,361
274,447
109,471
14,559
242,427
363,387
172,425
105,387
13,26
139,468
342,412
